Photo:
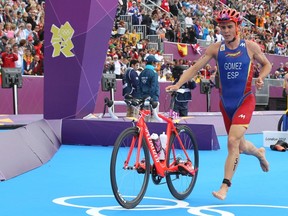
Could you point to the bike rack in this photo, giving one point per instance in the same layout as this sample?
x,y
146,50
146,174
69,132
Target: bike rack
x,y
110,104
155,113
108,83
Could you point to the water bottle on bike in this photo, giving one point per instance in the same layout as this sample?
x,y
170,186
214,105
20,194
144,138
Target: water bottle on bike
x,y
157,143
163,140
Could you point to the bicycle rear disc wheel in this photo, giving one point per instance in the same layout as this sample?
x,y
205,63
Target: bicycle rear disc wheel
x,y
128,182
180,183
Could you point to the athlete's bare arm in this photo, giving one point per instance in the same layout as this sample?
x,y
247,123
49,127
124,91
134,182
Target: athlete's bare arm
x,y
191,72
256,53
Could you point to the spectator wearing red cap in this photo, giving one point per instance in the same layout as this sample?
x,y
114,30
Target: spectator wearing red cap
x,y
30,45
38,46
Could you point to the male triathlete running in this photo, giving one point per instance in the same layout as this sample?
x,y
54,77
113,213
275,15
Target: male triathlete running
x,y
234,58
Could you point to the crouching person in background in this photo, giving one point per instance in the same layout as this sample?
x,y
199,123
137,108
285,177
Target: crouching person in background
x,y
131,85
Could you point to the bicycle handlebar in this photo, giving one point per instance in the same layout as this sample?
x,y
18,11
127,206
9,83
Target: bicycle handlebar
x,y
130,101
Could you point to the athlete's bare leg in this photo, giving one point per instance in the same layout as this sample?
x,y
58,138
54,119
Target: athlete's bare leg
x,y
234,138
248,148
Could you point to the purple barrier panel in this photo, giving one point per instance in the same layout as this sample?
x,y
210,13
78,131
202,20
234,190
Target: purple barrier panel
x,y
30,97
275,92
105,132
198,103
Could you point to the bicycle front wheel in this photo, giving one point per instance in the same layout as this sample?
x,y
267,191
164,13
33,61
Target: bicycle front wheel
x,y
129,170
181,182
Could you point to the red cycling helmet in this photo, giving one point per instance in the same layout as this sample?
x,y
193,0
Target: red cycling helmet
x,y
227,15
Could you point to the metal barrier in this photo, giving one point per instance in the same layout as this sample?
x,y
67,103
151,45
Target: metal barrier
x,y
182,26
262,95
140,29
128,21
153,5
168,57
203,43
154,46
147,7
275,82
153,38
126,18
154,42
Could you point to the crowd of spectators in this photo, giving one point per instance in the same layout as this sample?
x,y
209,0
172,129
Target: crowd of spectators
x,y
22,35
188,21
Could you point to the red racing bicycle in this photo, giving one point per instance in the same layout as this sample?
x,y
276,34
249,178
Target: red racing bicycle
x,y
135,158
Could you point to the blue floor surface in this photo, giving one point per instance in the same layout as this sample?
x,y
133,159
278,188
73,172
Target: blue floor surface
x,y
76,182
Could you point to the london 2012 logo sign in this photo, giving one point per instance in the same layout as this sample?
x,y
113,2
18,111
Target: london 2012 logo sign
x,y
208,210
62,40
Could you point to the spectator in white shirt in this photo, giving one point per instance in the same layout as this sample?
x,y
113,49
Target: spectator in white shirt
x,y
189,21
218,36
210,38
118,67
19,53
20,32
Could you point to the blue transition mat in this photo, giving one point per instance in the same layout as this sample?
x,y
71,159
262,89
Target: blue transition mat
x,y
76,182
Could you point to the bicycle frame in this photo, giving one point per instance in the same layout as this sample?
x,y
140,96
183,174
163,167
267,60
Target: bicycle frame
x,y
129,183
161,167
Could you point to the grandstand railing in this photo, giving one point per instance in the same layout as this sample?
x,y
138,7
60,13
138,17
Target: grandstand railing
x,y
155,41
204,43
141,30
128,21
168,57
182,26
154,46
147,7
263,95
150,6
155,5
153,38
